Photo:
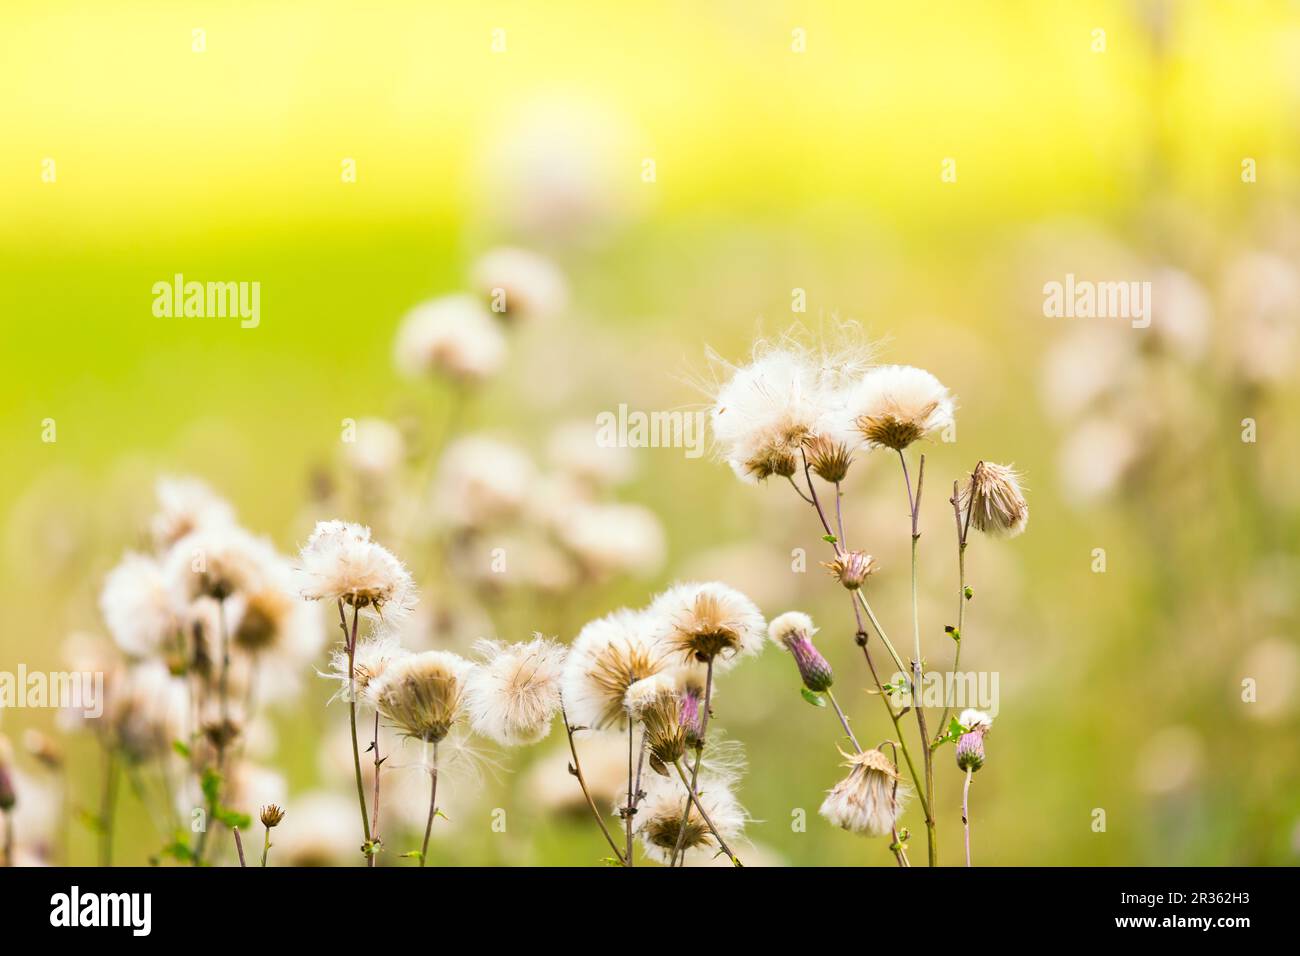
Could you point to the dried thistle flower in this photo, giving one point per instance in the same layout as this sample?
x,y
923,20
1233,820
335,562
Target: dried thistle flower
x,y
865,800
994,499
895,405
851,568
658,821
271,816
608,656
710,622
422,694
656,703
829,459
513,695
793,631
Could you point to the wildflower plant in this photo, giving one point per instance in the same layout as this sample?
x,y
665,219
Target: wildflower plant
x,y
795,413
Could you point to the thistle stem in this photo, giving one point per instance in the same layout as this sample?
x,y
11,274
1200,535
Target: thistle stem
x,y
374,826
352,721
239,845
918,667
844,721
629,809
722,844
965,819
107,808
962,528
266,846
433,807
699,758
576,770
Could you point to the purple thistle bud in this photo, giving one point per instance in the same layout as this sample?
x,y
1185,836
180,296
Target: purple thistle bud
x,y
970,749
692,702
813,668
793,630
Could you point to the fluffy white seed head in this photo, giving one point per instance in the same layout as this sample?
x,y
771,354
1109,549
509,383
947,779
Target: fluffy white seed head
x,y
376,450
186,505
865,801
520,285
710,621
788,626
219,561
422,695
139,606
658,820
607,657
513,695
340,562
369,662
148,709
895,405
481,482
762,416
453,336
970,718
612,538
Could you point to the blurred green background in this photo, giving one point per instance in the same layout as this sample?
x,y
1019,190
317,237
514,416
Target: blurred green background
x,y
774,169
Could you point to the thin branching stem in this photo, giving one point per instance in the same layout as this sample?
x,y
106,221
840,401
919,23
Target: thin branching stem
x,y
699,759
965,818
352,722
576,770
433,806
694,797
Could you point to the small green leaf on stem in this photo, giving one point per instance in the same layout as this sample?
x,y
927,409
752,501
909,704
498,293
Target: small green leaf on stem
x,y
969,592
830,539
817,700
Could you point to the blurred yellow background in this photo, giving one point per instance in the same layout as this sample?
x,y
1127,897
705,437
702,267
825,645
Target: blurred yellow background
x,y
793,146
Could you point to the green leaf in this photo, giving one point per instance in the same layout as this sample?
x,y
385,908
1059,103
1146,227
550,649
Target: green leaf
x,y
211,784
813,698
181,748
830,538
233,818
952,632
969,592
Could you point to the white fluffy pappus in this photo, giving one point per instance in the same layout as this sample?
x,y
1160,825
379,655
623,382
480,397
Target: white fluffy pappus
x,y
710,621
611,538
422,695
139,606
658,820
866,801
218,561
186,505
454,336
607,657
340,562
892,406
520,285
513,695
482,481
762,416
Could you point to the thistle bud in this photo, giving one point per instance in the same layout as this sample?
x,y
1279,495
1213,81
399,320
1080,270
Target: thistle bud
x,y
692,714
655,702
851,568
970,746
271,816
793,631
